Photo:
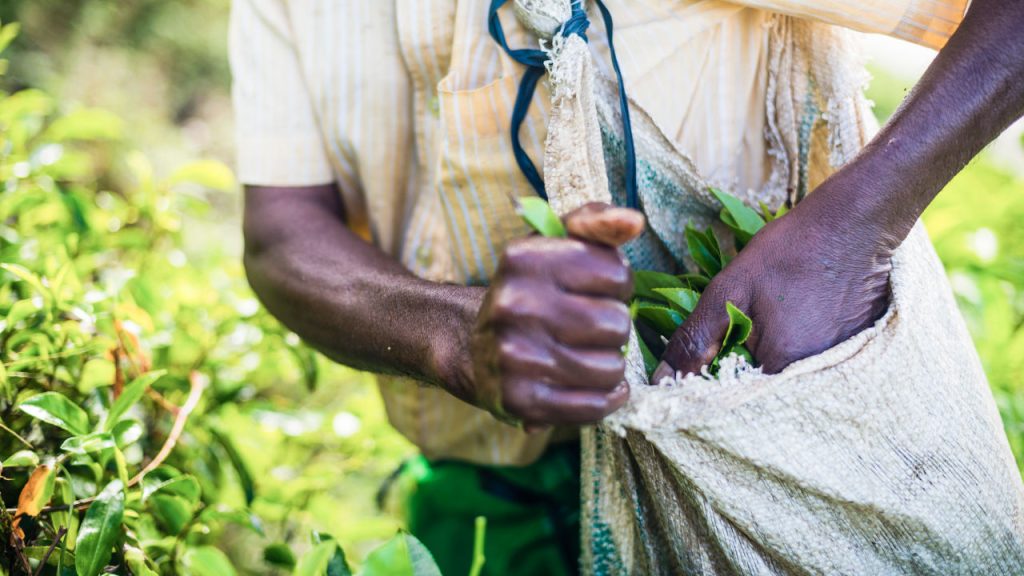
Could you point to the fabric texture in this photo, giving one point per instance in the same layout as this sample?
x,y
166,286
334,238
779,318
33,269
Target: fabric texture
x,y
882,455
406,105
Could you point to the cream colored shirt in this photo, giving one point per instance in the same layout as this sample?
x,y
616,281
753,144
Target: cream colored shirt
x,y
406,105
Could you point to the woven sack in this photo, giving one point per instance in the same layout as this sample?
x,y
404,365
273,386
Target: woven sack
x,y
882,455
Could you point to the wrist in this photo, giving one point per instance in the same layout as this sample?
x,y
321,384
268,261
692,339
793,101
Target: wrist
x,y
449,362
866,203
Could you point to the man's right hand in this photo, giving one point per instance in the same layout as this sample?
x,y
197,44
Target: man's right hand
x,y
547,345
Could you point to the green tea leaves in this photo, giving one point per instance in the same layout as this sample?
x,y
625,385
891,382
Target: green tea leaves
x,y
99,530
129,396
88,443
740,326
56,409
704,250
539,215
646,281
682,299
663,319
744,221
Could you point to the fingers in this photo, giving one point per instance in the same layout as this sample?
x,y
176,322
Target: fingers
x,y
573,265
539,403
533,354
696,343
603,224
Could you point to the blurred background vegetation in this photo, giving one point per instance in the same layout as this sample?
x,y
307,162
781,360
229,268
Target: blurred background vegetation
x,y
317,454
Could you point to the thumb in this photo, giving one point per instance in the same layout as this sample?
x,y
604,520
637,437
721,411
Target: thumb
x,y
696,343
604,224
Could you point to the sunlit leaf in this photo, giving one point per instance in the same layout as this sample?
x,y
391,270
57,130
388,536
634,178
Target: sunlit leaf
x,y
56,409
136,560
129,396
21,458
207,173
207,561
86,124
88,443
29,278
314,562
539,215
23,309
403,555
7,33
99,530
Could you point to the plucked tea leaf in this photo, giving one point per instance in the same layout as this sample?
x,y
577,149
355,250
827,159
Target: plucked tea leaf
x,y
739,328
56,409
99,530
745,218
539,215
696,282
645,281
663,319
650,360
682,299
706,256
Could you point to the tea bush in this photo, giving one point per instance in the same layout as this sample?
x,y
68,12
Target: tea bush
x,y
123,362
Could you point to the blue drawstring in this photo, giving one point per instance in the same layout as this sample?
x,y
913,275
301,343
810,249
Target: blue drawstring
x,y
534,60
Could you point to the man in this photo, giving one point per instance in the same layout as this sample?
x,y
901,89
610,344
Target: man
x,y
374,141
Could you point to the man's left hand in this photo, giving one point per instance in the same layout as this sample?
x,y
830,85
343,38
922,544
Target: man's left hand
x,y
808,280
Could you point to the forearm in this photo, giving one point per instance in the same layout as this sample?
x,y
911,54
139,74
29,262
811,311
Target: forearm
x,y
972,91
345,297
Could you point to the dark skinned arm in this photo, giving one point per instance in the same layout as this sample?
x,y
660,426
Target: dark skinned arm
x,y
541,345
820,274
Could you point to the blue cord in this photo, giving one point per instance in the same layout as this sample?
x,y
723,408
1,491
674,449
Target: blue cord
x,y
534,60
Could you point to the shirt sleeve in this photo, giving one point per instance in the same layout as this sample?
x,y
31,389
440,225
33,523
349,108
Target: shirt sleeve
x,y
278,139
928,23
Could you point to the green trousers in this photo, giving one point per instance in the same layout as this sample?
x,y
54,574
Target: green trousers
x,y
533,515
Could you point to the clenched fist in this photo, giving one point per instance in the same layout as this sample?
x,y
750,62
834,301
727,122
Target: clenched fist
x,y
547,345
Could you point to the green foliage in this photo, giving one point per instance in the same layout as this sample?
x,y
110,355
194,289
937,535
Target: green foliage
x,y
124,361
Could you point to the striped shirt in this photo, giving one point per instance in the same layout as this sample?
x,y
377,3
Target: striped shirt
x,y
406,105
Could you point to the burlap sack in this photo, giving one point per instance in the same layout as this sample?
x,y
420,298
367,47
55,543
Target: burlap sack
x,y
882,455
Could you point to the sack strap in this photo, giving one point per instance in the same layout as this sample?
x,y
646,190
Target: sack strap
x,y
534,60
